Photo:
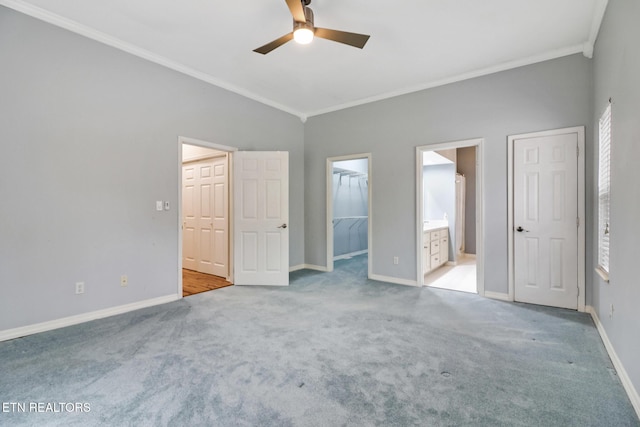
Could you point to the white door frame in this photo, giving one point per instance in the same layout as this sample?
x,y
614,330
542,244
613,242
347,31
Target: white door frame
x,y
479,144
213,146
579,131
330,161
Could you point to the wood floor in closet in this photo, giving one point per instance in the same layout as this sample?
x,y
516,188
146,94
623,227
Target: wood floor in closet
x,y
194,282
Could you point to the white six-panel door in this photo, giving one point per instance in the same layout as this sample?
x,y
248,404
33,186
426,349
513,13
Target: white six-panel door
x,y
189,248
261,218
205,216
220,218
545,213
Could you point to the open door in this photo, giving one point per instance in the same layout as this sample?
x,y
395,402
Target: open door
x,y
261,218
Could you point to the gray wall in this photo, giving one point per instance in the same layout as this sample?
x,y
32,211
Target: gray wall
x,y
548,95
466,164
616,76
89,141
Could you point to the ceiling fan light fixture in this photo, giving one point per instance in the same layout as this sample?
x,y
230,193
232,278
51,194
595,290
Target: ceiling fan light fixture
x,y
303,35
304,31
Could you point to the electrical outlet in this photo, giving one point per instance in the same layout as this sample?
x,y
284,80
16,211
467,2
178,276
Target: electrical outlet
x,y
159,205
124,280
396,260
79,288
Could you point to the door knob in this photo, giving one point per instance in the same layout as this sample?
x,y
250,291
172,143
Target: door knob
x,y
282,226
520,230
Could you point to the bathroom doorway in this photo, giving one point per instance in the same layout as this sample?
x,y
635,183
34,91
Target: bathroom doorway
x,y
449,212
348,209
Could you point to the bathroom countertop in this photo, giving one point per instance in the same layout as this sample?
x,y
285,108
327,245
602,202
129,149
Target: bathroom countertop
x,y
435,225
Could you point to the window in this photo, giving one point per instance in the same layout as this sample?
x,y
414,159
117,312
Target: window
x,y
604,192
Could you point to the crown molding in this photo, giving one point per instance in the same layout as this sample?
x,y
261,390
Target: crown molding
x,y
598,15
83,30
460,77
585,48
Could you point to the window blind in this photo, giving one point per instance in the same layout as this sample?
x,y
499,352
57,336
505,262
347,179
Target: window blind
x,y
604,189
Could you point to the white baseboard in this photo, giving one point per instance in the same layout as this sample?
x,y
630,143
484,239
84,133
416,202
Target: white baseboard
x,y
380,278
617,364
309,267
497,295
394,280
22,331
296,268
350,255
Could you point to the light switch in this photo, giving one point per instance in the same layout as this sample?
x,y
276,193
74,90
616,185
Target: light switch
x,y
166,205
158,205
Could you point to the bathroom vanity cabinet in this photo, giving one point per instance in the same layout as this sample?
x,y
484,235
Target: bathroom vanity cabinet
x,y
436,247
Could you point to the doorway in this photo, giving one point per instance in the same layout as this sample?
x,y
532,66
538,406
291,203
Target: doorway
x,y
449,216
546,218
348,209
205,256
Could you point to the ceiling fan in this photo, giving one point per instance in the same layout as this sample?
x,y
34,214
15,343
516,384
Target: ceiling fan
x,y
304,30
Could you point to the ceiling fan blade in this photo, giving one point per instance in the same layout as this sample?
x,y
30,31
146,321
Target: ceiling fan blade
x,y
352,39
274,44
295,6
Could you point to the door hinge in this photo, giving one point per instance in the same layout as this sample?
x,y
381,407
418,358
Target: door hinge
x,y
577,221
578,151
578,291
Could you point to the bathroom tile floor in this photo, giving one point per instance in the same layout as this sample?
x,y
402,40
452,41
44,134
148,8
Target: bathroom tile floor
x,y
459,277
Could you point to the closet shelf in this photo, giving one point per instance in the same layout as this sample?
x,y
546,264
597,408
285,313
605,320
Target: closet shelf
x,y
350,217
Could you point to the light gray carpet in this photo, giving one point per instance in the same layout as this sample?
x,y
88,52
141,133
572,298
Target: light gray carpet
x,y
330,350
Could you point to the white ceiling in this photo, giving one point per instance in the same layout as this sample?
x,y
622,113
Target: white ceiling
x,y
414,44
